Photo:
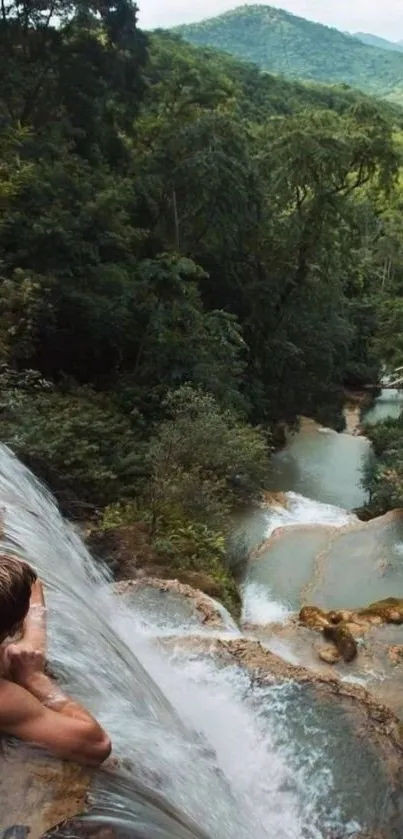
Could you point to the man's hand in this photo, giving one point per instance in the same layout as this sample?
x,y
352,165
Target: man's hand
x,y
24,662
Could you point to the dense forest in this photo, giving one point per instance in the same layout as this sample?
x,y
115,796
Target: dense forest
x,y
280,42
192,254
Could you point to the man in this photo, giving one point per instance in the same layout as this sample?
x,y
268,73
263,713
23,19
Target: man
x,y
32,706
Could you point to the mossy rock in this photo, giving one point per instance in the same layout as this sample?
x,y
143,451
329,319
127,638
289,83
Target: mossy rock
x,y
313,617
218,584
129,552
329,654
341,616
389,610
204,582
124,549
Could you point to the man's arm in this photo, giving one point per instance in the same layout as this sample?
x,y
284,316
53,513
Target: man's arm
x,y
34,632
35,709
65,730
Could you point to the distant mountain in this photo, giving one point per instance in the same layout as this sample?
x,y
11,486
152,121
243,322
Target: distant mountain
x,y
297,48
376,41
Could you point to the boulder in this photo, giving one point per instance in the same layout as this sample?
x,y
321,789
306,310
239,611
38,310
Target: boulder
x,y
313,617
395,654
389,610
203,582
329,654
343,639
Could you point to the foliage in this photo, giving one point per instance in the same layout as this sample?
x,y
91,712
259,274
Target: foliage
x,y
190,250
283,43
201,457
187,242
76,440
383,477
179,544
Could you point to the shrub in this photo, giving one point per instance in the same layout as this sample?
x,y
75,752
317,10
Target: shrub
x,y
383,473
202,458
76,441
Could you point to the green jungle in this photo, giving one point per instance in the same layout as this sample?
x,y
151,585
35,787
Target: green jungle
x,y
193,253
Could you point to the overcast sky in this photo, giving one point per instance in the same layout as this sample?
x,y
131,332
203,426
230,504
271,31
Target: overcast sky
x,y
381,17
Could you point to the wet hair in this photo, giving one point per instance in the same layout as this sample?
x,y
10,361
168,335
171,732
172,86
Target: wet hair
x,y
16,581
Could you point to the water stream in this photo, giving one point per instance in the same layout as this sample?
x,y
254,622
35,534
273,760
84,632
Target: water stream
x,y
207,753
320,553
199,765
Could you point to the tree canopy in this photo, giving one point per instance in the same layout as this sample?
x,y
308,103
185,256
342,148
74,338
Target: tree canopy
x,y
172,220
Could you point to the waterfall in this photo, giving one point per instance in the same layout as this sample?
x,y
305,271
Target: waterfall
x,y
197,762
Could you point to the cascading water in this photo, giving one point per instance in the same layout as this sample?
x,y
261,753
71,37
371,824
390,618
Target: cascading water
x,y
195,752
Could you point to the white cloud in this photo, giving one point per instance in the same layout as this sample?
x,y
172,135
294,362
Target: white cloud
x,y
381,18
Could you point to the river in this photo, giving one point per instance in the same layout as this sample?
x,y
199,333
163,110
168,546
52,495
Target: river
x,y
205,751
320,473
314,551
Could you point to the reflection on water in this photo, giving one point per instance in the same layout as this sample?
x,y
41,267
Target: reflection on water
x,y
324,466
360,567
332,567
170,609
319,468
388,405
287,565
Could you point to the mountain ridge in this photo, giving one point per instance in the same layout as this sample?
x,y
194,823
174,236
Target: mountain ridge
x,y
292,46
376,41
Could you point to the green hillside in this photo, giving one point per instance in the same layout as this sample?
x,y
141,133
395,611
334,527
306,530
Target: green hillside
x,y
297,48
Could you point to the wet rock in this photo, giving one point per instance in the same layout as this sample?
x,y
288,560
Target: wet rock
x,y
376,721
378,653
341,616
203,582
313,617
343,639
329,654
129,554
274,499
365,514
345,626
39,792
395,654
204,607
389,610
